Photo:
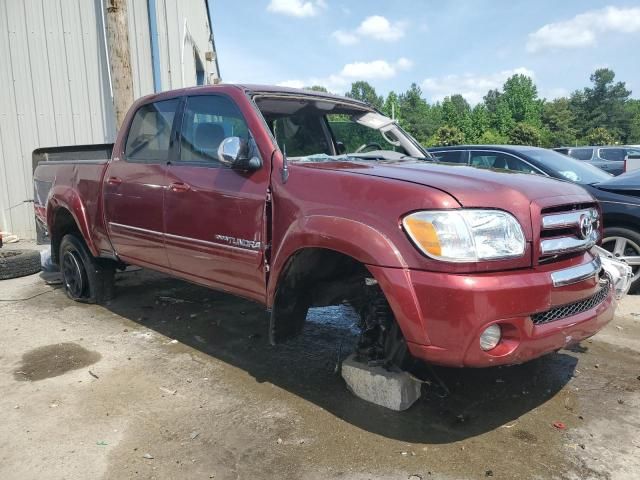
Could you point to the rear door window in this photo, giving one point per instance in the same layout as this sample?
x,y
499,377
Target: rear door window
x,y
501,161
149,138
615,154
581,153
453,156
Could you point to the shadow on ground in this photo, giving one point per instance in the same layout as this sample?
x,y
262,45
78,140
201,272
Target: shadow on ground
x,y
235,331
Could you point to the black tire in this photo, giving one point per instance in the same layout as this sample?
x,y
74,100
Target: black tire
x,y
85,278
18,263
630,248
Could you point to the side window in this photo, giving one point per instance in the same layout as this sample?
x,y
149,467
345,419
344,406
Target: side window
x,y
581,153
500,161
149,136
612,154
207,121
451,156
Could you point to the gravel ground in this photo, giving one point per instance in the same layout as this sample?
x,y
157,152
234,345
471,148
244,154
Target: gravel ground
x,y
175,381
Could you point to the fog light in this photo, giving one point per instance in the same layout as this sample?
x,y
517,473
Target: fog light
x,y
490,337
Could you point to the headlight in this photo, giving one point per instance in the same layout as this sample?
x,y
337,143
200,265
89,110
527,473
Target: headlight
x,y
465,235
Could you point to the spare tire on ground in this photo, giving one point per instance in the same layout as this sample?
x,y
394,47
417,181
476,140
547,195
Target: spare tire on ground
x,y
18,263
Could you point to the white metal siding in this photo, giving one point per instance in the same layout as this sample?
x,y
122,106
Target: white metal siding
x,y
55,84
54,92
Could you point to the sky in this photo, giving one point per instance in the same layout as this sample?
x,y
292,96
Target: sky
x,y
446,47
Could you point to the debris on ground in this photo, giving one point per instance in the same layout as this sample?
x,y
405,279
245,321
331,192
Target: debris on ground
x,y
488,473
93,375
194,435
102,443
559,425
168,391
415,477
172,300
148,456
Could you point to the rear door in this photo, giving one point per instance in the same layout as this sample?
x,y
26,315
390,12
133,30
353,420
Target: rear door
x,y
135,184
214,216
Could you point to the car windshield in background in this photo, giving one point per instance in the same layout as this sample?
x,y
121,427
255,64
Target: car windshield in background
x,y
318,129
567,167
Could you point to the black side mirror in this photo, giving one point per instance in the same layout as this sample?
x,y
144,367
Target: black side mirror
x,y
340,148
234,153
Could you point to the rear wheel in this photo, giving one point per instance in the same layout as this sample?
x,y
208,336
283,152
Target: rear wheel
x,y
625,245
85,278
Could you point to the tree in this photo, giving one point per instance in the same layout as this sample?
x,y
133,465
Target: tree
x,y
525,134
520,95
365,92
456,112
603,105
417,116
391,105
559,120
447,135
600,136
492,137
491,100
501,120
480,122
317,88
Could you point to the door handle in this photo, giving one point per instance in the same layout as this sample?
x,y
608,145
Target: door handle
x,y
114,181
179,187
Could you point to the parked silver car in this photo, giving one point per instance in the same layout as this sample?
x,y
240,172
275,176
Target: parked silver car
x,y
610,158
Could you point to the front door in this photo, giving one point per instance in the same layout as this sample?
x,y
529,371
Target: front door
x,y
135,185
214,216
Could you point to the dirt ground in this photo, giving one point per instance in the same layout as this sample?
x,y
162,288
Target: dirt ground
x,y
175,381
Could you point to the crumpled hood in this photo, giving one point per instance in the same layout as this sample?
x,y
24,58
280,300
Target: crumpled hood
x,y
470,186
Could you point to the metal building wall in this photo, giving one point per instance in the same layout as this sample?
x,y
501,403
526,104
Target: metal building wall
x,y
54,81
54,91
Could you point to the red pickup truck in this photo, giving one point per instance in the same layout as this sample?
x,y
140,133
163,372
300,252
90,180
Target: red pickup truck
x,y
297,199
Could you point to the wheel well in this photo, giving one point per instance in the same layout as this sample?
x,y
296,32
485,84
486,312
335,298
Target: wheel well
x,y
621,221
314,277
63,224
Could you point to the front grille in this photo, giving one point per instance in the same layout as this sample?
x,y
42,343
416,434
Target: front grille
x,y
568,230
564,311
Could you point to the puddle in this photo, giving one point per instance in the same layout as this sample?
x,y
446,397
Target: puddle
x,y
53,360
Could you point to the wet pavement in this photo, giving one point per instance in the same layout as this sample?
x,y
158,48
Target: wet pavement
x,y
175,381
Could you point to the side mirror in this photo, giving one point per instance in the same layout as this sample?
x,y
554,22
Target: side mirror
x,y
340,148
234,153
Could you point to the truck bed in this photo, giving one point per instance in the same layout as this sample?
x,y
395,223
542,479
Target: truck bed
x,y
78,168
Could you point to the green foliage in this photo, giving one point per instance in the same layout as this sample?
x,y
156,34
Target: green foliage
x,y
317,88
521,98
560,120
447,135
600,136
365,92
602,113
525,134
492,137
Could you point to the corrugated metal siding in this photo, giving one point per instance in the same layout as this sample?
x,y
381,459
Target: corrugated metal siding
x,y
55,84
55,91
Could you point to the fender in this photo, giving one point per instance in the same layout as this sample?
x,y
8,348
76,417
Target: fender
x,y
366,245
67,198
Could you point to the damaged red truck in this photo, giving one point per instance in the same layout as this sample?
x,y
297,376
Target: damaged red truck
x,y
297,199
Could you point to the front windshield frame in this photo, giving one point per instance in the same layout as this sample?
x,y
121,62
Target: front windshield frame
x,y
583,173
413,149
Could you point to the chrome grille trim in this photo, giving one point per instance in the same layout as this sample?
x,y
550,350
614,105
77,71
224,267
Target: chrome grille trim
x,y
567,219
565,311
572,275
555,246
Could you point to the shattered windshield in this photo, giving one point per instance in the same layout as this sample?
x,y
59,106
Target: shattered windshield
x,y
320,130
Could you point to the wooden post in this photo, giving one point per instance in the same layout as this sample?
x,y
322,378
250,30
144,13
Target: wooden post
x,y
119,57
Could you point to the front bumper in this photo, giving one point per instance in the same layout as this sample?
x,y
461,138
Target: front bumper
x,y
442,315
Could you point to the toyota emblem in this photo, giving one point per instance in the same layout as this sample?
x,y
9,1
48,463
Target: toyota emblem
x,y
586,226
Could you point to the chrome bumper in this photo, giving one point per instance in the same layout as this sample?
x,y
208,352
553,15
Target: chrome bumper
x,y
619,272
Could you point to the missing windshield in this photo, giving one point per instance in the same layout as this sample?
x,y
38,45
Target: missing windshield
x,y
323,130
